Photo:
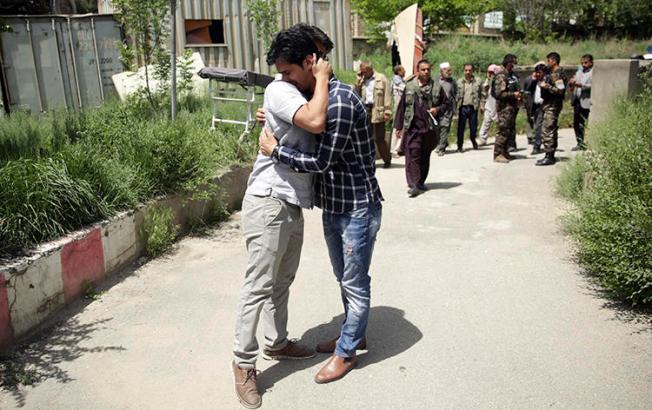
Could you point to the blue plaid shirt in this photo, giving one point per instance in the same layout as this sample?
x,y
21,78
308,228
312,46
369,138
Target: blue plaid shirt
x,y
345,157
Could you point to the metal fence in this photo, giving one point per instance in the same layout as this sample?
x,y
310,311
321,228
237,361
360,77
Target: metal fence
x,y
58,61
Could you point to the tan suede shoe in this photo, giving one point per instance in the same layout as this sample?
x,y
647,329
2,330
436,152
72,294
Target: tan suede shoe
x,y
245,387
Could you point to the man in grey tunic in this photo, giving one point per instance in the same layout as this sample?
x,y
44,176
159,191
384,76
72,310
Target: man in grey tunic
x,y
449,86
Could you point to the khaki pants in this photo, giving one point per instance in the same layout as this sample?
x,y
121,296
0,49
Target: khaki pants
x,y
273,231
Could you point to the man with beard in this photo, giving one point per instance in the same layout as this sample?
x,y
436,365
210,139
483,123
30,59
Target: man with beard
x,y
416,121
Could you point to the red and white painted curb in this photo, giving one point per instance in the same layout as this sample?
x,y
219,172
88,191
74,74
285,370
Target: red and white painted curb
x,y
33,288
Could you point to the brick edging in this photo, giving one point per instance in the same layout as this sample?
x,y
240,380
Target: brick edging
x,y
33,288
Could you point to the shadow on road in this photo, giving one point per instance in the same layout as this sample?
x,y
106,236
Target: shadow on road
x,y
33,363
388,334
442,185
639,316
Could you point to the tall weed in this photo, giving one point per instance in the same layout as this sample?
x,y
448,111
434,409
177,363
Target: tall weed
x,y
40,200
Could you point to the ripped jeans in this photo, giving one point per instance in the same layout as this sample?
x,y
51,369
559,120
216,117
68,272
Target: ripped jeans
x,y
350,238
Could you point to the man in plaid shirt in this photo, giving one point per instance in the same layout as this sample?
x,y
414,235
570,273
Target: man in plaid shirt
x,y
347,191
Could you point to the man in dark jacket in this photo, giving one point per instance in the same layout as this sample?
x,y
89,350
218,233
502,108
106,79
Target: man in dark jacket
x,y
417,121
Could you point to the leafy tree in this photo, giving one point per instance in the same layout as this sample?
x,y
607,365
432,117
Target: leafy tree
x,y
146,25
264,14
442,15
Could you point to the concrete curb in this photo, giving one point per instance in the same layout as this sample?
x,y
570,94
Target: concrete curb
x,y
35,287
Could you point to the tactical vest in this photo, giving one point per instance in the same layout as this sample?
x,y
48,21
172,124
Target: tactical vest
x,y
412,91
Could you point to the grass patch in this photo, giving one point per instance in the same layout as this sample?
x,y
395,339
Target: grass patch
x,y
160,230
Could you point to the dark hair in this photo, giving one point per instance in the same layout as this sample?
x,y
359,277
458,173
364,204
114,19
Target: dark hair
x,y
469,65
317,35
291,45
541,67
587,57
396,68
555,56
423,61
509,58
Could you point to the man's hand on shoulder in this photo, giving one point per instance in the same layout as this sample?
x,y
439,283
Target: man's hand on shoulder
x,y
267,142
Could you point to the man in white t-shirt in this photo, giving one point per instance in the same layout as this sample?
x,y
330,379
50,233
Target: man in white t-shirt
x,y
272,219
580,86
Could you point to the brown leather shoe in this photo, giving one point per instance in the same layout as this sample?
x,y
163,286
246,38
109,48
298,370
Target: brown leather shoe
x,y
329,345
501,159
292,350
245,387
335,368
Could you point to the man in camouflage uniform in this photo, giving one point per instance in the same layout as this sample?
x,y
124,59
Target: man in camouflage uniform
x,y
553,88
505,89
419,111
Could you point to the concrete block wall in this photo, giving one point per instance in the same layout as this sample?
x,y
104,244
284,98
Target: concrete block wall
x,y
613,79
34,288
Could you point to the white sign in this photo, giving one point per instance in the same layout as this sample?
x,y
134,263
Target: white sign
x,y
493,20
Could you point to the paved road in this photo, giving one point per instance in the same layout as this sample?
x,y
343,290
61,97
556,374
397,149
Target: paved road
x,y
477,304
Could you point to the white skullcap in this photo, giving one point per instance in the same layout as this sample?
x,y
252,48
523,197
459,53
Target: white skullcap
x,y
444,65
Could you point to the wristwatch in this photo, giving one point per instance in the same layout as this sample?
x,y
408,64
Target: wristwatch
x,y
275,155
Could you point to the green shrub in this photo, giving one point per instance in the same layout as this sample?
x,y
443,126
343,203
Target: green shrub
x,y
160,230
67,169
612,223
40,200
118,184
459,49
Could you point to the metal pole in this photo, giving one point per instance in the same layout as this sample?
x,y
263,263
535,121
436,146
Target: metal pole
x,y
66,96
97,60
74,62
38,84
173,13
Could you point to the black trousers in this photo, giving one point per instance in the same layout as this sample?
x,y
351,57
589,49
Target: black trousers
x,y
470,114
579,122
511,139
418,147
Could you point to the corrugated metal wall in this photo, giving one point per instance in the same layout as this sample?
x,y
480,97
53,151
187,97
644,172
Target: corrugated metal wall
x,y
59,61
242,48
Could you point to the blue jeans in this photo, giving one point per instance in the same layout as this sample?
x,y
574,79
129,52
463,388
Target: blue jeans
x,y
350,239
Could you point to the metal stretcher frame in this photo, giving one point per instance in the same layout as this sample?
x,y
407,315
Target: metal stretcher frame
x,y
248,80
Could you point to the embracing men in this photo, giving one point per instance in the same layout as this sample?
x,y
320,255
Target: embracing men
x,y
344,186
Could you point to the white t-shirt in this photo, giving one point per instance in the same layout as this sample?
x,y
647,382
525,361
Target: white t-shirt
x,y
369,90
281,102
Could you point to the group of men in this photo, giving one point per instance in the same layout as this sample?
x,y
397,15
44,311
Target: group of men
x,y
497,98
543,94
422,109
